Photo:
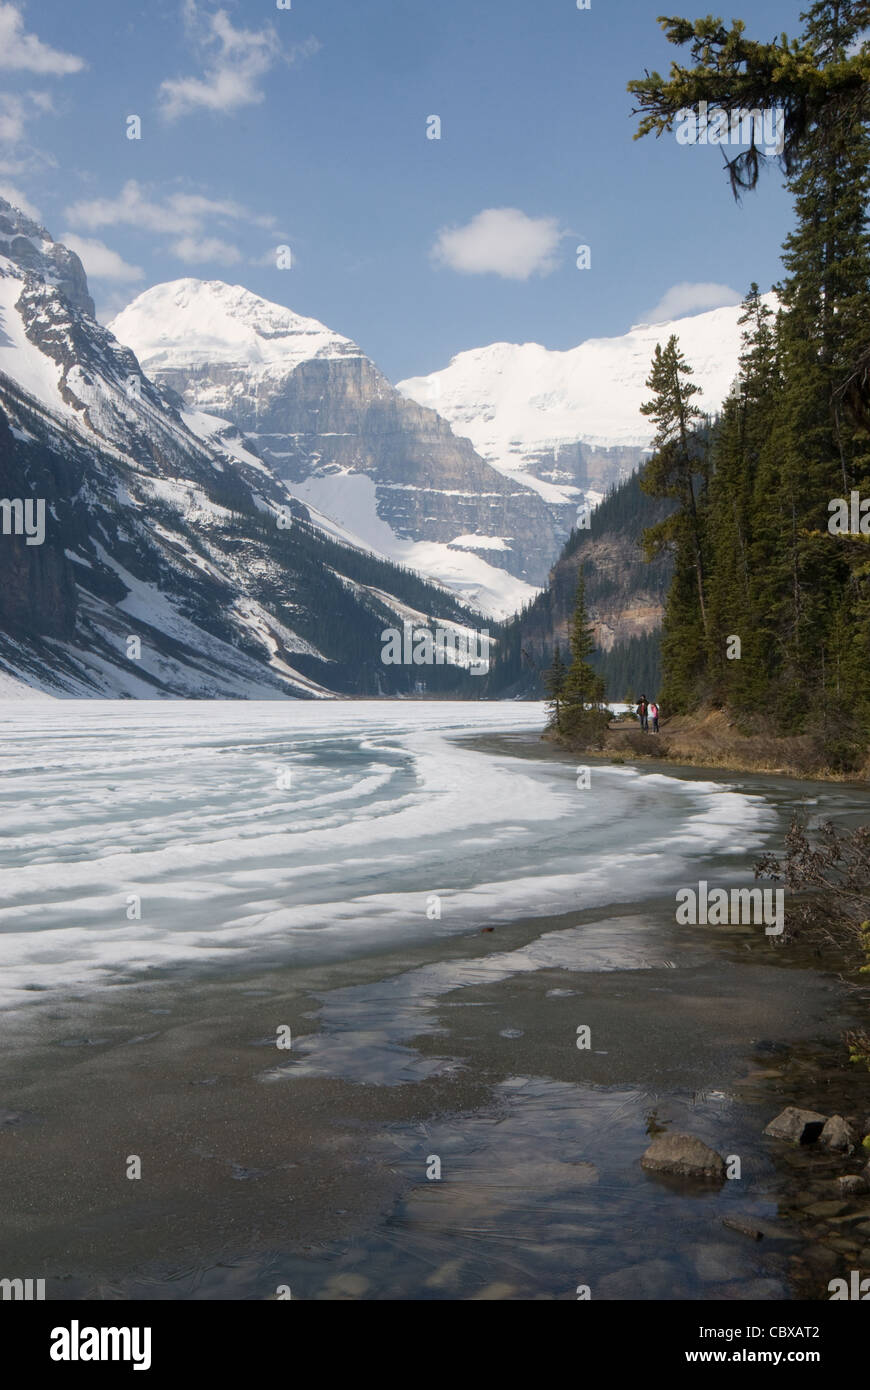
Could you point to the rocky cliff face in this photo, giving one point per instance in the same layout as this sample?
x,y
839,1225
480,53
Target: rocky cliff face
x,y
342,415
583,471
31,247
315,406
625,597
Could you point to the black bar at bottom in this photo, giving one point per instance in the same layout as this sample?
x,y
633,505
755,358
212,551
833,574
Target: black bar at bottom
x,y
224,1338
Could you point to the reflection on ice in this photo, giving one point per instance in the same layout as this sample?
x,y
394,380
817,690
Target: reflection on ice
x,y
362,1028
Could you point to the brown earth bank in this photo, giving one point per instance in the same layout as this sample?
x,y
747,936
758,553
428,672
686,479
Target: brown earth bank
x,y
712,738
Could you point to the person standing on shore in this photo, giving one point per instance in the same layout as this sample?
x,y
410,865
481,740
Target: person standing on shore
x,y
642,713
654,716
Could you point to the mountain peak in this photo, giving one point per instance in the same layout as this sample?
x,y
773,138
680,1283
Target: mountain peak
x,y
209,321
32,248
521,403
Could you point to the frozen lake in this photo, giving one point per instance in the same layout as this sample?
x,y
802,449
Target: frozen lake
x,y
144,836
324,871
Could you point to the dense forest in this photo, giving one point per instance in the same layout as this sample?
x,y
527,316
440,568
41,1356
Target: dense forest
x,y
768,611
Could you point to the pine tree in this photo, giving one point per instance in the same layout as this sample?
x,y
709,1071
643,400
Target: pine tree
x,y
554,684
795,433
820,82
735,520
583,685
823,334
678,469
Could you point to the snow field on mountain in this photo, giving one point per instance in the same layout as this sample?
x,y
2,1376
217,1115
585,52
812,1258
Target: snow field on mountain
x,y
516,400
345,506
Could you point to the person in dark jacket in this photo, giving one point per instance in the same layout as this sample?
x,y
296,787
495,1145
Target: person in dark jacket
x,y
642,713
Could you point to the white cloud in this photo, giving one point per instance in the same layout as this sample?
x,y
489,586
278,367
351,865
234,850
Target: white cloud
x,y
234,62
15,112
500,241
187,218
25,52
100,261
193,249
195,206
180,214
688,298
12,118
20,200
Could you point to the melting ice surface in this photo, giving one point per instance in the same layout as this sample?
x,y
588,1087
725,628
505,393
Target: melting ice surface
x,y
261,832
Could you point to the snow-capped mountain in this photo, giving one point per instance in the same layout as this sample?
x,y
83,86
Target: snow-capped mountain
x,y
572,419
372,464
144,553
27,244
223,326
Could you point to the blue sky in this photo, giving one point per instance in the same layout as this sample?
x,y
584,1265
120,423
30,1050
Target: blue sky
x,y
307,127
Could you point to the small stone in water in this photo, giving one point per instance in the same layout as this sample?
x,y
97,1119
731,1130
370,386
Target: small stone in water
x,y
743,1227
685,1156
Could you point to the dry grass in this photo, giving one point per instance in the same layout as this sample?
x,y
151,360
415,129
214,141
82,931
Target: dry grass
x,y
711,738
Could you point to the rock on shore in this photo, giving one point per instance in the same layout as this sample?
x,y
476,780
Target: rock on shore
x,y
797,1126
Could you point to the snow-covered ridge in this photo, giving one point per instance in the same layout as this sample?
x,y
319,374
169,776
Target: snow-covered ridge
x,y
186,322
516,401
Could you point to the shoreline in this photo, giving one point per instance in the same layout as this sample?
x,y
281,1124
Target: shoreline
x,y
308,1167
805,1085
262,1168
253,1176
709,742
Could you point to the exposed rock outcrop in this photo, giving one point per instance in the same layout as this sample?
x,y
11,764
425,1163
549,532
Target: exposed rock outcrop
x,y
31,247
